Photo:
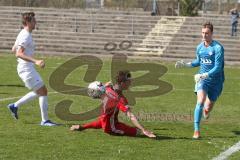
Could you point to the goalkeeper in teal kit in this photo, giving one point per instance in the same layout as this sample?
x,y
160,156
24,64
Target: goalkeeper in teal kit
x,y
209,80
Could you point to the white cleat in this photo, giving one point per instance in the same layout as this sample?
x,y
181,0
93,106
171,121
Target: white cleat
x,y
48,123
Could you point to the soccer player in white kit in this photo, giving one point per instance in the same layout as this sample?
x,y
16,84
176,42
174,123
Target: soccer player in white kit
x,y
24,49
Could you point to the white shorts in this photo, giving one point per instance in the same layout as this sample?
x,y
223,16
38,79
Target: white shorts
x,y
31,78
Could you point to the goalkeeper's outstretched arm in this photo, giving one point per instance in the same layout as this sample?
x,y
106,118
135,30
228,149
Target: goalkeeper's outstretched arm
x,y
183,64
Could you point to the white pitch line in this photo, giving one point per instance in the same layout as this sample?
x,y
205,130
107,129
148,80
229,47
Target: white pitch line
x,y
12,98
224,155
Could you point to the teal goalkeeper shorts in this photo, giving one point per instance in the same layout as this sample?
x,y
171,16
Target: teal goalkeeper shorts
x,y
213,90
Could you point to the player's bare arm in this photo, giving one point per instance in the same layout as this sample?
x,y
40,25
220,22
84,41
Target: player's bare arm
x,y
14,48
139,126
20,54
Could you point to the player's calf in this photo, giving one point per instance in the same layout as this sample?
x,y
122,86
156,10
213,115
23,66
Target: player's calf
x,y
206,113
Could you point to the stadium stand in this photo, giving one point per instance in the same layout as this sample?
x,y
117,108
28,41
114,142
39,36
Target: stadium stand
x,y
76,31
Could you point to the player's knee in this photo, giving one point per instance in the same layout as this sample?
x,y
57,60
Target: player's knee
x,y
201,100
42,91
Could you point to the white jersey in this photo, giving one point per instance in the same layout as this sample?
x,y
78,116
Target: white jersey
x,y
25,40
26,70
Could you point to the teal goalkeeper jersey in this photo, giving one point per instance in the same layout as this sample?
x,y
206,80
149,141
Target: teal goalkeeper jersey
x,y
211,61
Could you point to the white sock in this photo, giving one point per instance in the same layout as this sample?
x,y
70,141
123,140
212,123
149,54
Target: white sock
x,y
43,103
28,97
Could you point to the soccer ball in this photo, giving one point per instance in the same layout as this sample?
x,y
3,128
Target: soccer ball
x,y
96,89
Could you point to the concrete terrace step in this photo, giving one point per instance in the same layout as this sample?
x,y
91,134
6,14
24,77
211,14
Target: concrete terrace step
x,y
74,44
189,35
65,20
134,49
74,35
233,40
154,35
173,44
96,30
98,17
100,44
71,11
193,27
52,26
196,20
80,40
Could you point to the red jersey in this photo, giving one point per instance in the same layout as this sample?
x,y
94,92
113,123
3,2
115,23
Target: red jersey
x,y
112,103
108,121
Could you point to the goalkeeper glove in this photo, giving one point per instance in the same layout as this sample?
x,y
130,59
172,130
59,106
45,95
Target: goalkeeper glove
x,y
182,64
199,77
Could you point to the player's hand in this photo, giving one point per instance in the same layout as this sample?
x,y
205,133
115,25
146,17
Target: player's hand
x,y
108,84
180,64
199,77
149,134
75,128
40,63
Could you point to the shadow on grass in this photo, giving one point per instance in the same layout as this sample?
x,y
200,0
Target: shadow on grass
x,y
3,93
236,133
159,137
38,123
160,129
11,85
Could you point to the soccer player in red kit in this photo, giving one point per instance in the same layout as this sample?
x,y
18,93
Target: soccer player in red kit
x,y
112,101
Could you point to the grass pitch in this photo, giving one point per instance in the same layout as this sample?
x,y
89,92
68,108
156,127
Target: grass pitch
x,y
169,116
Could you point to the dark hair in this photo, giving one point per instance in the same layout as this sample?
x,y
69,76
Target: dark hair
x,y
27,17
208,25
123,76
